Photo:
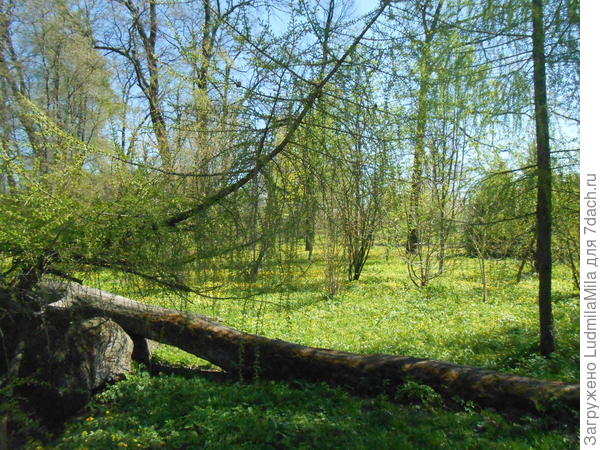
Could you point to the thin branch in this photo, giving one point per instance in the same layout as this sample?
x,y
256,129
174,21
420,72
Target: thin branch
x,y
295,124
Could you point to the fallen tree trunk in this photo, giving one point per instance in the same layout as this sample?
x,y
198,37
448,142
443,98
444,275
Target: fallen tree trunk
x,y
256,356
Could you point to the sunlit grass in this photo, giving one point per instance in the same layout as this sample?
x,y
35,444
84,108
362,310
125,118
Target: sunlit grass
x,y
382,313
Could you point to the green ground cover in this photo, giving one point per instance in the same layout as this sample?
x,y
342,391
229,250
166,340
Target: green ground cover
x,y
174,412
381,313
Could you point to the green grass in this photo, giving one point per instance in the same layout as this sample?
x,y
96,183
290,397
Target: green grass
x,y
173,412
385,313
381,313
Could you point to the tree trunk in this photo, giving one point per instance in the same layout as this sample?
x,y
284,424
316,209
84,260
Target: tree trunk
x,y
311,216
544,182
253,356
429,23
573,265
484,284
416,187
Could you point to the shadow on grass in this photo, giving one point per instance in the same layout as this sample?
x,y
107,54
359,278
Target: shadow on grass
x,y
173,412
506,349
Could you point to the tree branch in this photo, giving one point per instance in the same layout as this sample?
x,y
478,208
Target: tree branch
x,y
295,124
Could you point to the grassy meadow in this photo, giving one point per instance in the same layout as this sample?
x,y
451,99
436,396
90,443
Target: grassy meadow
x,y
383,312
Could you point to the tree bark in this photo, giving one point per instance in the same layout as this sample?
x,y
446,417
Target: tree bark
x,y
252,356
544,182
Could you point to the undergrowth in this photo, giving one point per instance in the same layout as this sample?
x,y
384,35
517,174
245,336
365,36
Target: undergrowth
x,y
173,412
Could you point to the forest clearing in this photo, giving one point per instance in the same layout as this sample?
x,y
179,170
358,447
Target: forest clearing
x,y
382,313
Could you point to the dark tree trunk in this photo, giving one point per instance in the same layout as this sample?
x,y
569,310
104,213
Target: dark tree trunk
x,y
152,91
544,182
311,218
528,255
251,356
148,78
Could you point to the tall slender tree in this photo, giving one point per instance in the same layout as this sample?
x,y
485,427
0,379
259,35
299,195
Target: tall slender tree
x,y
544,181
